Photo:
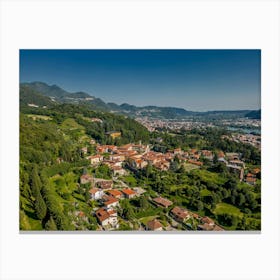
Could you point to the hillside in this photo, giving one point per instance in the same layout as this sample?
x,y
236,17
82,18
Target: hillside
x,y
31,96
61,96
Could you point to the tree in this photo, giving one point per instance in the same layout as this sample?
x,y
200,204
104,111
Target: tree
x,y
144,204
36,185
50,224
199,205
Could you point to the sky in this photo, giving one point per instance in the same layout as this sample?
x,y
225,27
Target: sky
x,y
196,80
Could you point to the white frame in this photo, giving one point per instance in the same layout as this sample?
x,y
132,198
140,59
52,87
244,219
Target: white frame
x,y
139,24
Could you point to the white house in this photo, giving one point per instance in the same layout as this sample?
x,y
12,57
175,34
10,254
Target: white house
x,y
96,193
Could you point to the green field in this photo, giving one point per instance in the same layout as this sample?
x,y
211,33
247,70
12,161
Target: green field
x,y
189,167
41,117
205,192
222,208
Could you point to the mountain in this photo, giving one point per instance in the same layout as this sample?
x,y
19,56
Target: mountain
x,y
60,95
31,96
43,88
254,115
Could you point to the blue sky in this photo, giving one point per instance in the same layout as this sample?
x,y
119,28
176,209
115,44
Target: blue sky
x,y
197,80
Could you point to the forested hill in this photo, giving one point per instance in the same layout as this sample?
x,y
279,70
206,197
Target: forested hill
x,y
59,95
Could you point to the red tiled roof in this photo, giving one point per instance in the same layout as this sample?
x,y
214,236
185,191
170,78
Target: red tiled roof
x,y
128,191
207,220
114,192
93,190
179,212
102,214
154,224
250,179
163,201
110,201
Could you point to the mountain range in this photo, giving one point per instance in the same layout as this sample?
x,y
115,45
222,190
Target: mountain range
x,y
42,94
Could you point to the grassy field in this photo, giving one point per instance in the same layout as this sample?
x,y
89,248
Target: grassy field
x,y
41,117
208,176
71,124
188,167
222,208
205,192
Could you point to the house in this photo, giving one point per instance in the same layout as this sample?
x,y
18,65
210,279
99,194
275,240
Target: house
x,y
237,162
127,147
255,171
178,151
95,159
115,193
128,193
139,191
251,180
117,170
104,184
154,225
107,218
162,165
180,214
117,157
96,193
111,202
207,220
205,227
162,202
232,156
207,154
220,155
195,162
86,178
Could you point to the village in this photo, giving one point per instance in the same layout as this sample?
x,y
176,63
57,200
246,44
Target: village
x,y
108,194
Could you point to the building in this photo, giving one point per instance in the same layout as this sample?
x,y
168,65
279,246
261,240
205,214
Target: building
x,y
96,193
115,193
180,214
154,225
86,178
107,218
128,193
95,159
111,202
207,220
117,170
104,184
163,202
250,180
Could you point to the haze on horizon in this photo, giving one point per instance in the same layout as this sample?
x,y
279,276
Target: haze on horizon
x,y
196,80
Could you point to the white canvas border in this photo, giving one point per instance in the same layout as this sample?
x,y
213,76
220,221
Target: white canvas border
x,y
142,24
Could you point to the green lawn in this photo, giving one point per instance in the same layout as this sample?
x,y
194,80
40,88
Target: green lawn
x,y
188,166
205,192
208,176
222,208
41,117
